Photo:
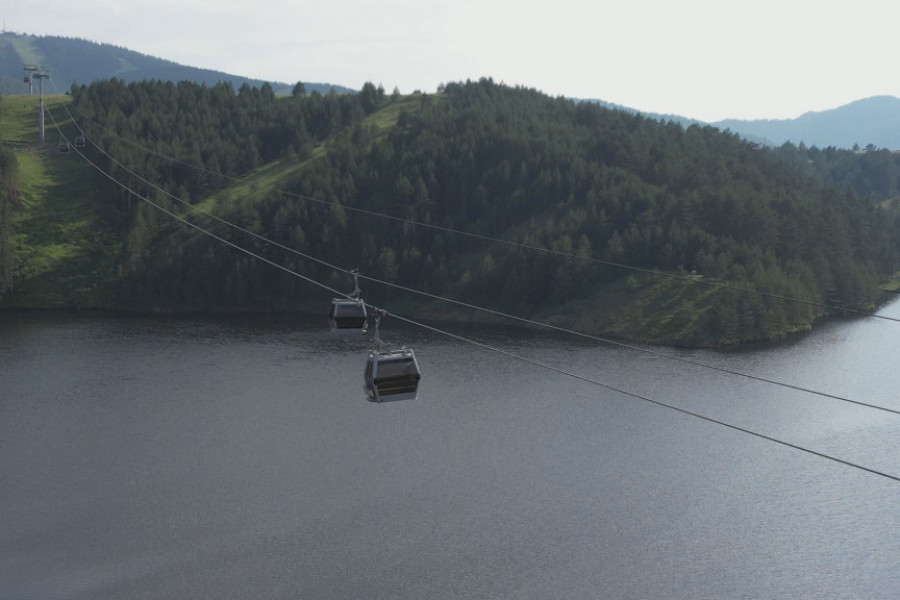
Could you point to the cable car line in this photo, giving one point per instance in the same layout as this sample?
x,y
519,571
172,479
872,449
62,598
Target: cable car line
x,y
206,231
516,356
651,351
353,313
651,401
382,312
511,316
513,355
529,247
209,214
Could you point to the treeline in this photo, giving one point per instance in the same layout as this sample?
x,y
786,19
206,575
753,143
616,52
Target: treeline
x,y
872,173
571,178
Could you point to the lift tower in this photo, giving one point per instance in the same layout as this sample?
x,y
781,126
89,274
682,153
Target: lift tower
x,y
33,72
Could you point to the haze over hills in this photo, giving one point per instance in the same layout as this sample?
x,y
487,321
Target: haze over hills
x,y
71,60
872,121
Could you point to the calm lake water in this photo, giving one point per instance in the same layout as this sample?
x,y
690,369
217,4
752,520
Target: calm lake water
x,y
236,458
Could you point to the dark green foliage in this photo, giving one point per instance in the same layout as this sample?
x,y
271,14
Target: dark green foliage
x,y
145,125
142,127
8,201
873,174
514,164
565,181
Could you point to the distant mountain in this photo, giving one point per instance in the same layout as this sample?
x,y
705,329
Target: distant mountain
x,y
71,60
874,120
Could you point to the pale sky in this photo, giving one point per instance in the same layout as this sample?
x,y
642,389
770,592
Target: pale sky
x,y
705,59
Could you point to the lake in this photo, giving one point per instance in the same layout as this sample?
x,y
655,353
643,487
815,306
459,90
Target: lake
x,y
236,457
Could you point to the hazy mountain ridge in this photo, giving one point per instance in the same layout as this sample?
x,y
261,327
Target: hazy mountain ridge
x,y
72,60
874,121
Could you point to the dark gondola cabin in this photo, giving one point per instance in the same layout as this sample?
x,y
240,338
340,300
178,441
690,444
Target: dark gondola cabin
x,y
392,375
79,141
347,315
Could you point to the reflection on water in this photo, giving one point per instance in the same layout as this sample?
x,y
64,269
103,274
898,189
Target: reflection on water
x,y
236,457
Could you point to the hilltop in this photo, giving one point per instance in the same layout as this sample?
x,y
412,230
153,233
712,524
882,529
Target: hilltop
x,y
611,222
72,60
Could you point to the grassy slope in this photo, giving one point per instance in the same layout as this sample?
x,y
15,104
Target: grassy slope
x,y
274,176
65,253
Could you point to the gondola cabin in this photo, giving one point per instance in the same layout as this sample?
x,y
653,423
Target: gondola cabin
x,y
79,141
64,147
392,375
347,315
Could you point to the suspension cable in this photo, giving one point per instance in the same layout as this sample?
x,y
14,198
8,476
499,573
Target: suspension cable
x,y
491,311
381,312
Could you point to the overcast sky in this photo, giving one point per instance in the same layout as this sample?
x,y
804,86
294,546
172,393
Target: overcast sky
x,y
706,59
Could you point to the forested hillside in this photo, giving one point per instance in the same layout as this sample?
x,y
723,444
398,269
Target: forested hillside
x,y
588,185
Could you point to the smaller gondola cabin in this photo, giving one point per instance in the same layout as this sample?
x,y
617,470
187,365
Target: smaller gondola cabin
x,y
392,375
348,315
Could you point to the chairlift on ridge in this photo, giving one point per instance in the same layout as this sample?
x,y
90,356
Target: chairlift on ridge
x,y
348,315
390,374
